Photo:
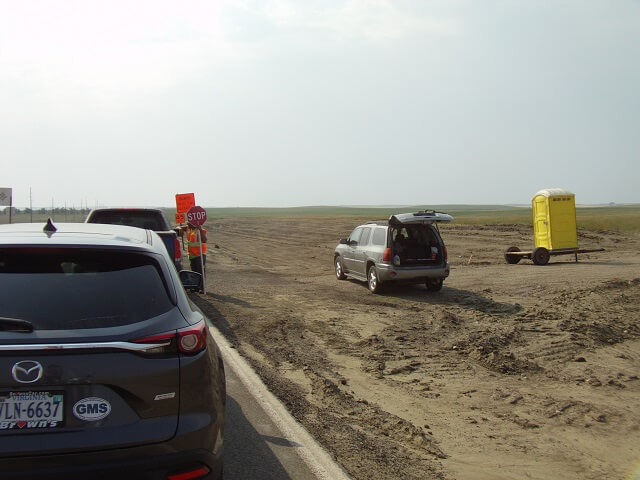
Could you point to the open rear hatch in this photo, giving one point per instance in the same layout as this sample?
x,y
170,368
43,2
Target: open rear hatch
x,y
415,238
428,216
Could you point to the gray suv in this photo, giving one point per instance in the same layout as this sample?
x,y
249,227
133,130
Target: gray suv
x,y
107,370
407,248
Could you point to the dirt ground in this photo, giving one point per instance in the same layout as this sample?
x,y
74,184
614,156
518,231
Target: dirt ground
x,y
510,372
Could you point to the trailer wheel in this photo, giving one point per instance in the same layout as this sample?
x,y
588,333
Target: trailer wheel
x,y
540,256
512,259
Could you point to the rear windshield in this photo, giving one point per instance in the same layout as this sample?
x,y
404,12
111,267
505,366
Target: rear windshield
x,y
147,220
76,289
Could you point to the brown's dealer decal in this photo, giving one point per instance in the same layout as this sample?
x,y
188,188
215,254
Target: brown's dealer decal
x,y
26,424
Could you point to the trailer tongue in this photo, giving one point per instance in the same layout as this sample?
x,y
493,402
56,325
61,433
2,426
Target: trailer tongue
x,y
541,256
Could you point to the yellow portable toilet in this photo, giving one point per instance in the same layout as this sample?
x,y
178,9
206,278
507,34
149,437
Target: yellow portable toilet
x,y
554,219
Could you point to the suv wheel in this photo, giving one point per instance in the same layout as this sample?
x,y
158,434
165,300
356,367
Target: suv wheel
x,y
339,268
372,280
435,284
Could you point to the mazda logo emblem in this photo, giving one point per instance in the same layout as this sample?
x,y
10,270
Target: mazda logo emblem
x,y
27,371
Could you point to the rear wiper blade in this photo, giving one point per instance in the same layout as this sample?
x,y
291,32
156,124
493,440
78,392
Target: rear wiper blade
x,y
15,325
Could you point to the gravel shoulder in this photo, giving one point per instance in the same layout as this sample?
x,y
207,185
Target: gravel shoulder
x,y
511,371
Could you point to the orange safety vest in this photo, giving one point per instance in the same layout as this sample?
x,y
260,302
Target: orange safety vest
x,y
192,243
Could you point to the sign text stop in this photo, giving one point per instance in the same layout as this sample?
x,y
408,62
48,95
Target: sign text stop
x,y
196,216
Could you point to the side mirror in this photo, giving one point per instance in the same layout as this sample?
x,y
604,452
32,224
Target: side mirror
x,y
344,241
191,281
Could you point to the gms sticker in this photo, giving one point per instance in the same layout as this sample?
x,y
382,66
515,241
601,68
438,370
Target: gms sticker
x,y
91,409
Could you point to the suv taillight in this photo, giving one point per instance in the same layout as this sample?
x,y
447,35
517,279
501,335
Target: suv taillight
x,y
445,253
386,256
177,251
193,339
190,340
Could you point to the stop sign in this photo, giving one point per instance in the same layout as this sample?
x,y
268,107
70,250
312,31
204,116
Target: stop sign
x,y
196,215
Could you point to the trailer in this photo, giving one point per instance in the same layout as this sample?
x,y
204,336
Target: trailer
x,y
541,256
555,230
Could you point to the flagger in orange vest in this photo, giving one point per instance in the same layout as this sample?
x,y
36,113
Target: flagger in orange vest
x,y
193,247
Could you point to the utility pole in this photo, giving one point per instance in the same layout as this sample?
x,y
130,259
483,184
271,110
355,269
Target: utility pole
x,y
30,206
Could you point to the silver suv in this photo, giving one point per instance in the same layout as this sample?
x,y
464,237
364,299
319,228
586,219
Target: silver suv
x,y
407,248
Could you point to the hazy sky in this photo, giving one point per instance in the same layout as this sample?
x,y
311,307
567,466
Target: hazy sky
x,y
319,102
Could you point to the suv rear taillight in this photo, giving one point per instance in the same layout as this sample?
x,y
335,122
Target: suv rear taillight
x,y
386,256
177,251
445,253
190,340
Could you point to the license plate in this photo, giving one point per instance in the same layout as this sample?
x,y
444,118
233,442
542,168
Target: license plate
x,y
29,410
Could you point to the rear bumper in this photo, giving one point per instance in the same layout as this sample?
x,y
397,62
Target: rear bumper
x,y
392,273
143,463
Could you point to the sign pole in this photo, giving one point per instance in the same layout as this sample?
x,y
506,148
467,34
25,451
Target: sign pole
x,y
184,201
180,220
204,283
197,216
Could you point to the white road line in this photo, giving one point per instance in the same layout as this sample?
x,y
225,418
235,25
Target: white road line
x,y
313,454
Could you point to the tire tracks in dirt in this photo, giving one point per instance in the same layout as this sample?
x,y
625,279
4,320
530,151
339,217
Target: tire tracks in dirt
x,y
513,370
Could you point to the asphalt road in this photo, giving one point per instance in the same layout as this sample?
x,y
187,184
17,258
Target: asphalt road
x,y
262,440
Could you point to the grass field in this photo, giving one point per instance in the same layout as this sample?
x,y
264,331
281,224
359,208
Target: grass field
x,y
616,218
621,218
